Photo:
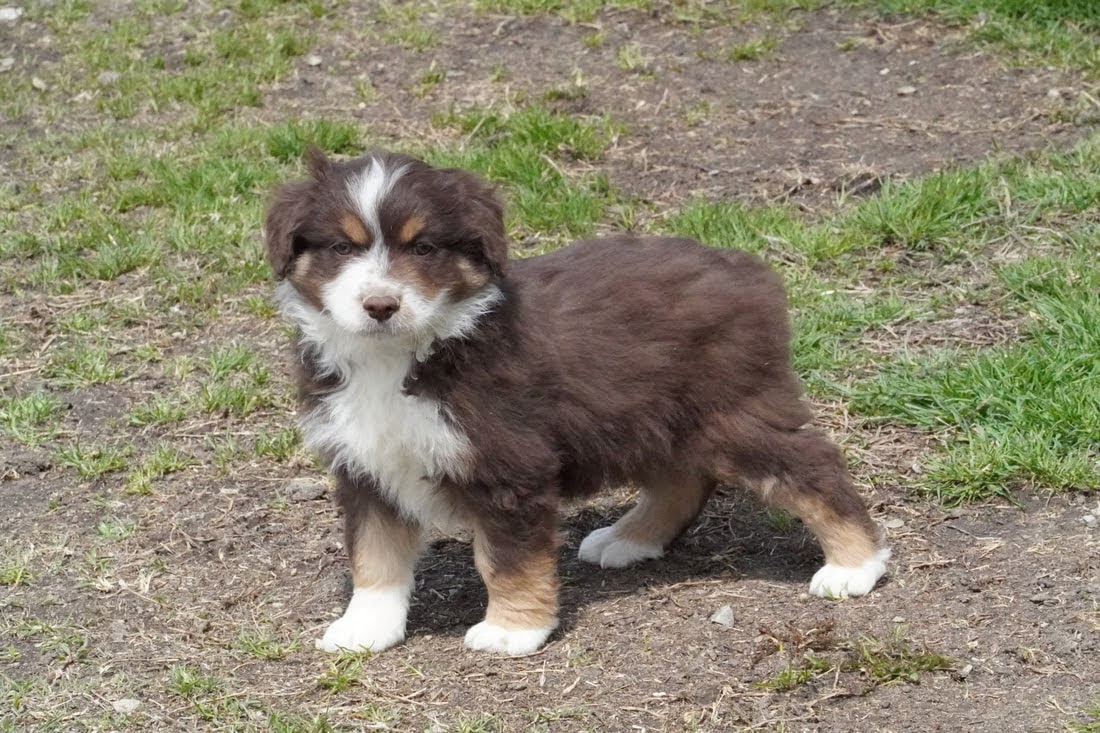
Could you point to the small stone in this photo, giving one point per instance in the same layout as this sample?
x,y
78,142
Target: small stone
x,y
723,616
963,673
894,523
1089,520
38,84
305,489
108,78
9,14
906,91
126,705
314,60
7,63
1054,93
883,72
898,620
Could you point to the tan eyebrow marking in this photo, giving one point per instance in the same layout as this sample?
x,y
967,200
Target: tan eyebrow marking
x,y
354,230
412,226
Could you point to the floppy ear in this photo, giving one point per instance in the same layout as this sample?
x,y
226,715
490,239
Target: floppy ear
x,y
483,218
287,211
285,214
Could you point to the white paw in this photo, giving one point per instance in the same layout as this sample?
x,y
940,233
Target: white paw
x,y
513,642
835,581
604,548
374,620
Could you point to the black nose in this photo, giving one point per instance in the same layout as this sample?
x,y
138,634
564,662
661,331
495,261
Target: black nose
x,y
381,307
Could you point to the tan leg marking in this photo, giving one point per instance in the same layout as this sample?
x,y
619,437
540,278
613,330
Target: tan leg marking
x,y
665,507
847,542
524,596
385,550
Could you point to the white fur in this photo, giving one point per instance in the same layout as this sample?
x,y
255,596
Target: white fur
x,y
368,424
373,621
605,548
513,642
369,188
835,581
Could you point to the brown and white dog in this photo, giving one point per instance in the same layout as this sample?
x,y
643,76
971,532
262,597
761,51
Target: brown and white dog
x,y
447,386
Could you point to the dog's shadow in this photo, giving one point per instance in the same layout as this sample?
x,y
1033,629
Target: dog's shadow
x,y
734,538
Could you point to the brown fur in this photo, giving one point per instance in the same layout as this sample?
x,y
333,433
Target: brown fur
x,y
655,361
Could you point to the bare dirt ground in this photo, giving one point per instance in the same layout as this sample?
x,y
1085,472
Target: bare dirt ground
x,y
1008,593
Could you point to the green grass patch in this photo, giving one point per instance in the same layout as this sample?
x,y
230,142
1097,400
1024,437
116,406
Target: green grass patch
x,y
1006,415
31,419
1023,413
529,151
93,461
1061,33
895,660
15,566
1088,721
796,674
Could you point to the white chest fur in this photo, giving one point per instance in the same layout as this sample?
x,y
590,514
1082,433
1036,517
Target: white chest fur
x,y
370,427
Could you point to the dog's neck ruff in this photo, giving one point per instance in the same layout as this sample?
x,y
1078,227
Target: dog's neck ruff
x,y
368,426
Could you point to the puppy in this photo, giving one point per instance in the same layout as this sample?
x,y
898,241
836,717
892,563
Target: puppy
x,y
445,385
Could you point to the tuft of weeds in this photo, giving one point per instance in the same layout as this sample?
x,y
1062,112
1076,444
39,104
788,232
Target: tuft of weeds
x,y
1088,721
15,567
342,672
630,57
796,674
264,642
278,722
84,365
895,660
115,529
430,78
279,444
31,419
164,460
752,50
93,461
190,683
64,642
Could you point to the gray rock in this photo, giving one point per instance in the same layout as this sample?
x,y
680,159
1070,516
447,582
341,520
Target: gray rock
x,y
108,78
126,705
305,489
723,616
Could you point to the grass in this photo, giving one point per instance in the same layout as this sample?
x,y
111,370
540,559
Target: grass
x,y
529,150
142,358
1057,33
1006,415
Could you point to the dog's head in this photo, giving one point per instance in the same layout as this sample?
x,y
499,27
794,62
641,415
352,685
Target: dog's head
x,y
386,244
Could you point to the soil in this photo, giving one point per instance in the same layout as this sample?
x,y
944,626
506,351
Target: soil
x,y
1007,592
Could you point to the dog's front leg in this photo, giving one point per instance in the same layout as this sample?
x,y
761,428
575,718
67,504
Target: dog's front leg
x,y
383,548
519,567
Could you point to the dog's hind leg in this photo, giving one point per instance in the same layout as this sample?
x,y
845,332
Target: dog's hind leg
x,y
803,472
666,506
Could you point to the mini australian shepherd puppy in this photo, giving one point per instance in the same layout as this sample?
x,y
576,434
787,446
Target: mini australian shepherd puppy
x,y
445,385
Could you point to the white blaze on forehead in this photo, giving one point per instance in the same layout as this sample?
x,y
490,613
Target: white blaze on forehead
x,y
369,188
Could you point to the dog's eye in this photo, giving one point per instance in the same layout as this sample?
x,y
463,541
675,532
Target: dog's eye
x,y
341,248
423,248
